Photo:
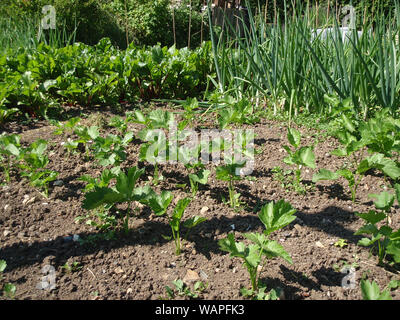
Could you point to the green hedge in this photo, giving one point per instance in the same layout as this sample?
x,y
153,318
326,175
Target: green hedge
x,y
142,22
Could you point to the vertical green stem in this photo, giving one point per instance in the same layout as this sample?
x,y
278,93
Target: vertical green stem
x,y
231,193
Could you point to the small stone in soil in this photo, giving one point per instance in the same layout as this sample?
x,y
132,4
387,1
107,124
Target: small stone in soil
x,y
58,183
6,233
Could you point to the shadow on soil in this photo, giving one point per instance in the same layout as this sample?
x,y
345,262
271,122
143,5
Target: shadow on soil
x,y
203,237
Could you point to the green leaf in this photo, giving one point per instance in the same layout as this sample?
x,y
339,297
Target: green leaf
x,y
348,124
9,289
229,172
397,191
194,221
126,183
178,213
201,176
307,157
159,203
367,229
393,249
3,265
371,291
252,256
294,137
12,149
384,164
236,249
324,174
273,249
372,217
100,197
276,216
93,132
365,242
384,200
394,284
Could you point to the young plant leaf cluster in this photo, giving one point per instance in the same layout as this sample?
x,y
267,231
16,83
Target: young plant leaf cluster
x,y
274,217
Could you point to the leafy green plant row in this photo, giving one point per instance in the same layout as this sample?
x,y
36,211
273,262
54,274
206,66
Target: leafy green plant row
x,y
32,80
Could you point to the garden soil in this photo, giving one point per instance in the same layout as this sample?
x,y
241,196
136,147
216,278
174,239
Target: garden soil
x,y
40,238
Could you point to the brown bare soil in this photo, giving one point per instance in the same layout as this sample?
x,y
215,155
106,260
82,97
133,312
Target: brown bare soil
x,y
35,232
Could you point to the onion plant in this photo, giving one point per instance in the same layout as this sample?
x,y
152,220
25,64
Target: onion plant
x,y
292,67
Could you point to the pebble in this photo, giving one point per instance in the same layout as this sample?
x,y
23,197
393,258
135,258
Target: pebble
x,y
118,270
21,234
75,237
298,227
319,244
58,183
6,233
204,210
28,200
191,276
6,207
203,275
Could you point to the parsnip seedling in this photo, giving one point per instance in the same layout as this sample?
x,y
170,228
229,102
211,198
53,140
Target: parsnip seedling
x,y
371,290
34,166
124,191
160,203
300,157
10,152
274,216
230,173
386,239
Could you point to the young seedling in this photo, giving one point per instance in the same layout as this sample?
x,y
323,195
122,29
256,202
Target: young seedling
x,y
300,157
241,112
111,149
75,266
67,127
184,290
34,166
189,107
175,222
159,204
371,290
231,173
103,181
274,216
197,172
8,288
353,150
387,240
341,243
124,191
86,135
119,123
10,152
